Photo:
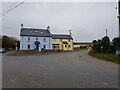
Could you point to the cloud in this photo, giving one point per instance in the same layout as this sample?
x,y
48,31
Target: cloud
x,y
87,20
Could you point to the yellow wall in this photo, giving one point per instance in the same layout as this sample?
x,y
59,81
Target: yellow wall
x,y
61,45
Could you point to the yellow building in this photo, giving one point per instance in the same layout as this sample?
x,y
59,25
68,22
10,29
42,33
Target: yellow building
x,y
62,42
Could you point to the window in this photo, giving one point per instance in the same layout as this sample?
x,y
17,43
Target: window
x,y
30,31
60,39
36,38
44,46
69,46
44,39
54,39
69,40
28,46
65,45
28,38
36,31
56,46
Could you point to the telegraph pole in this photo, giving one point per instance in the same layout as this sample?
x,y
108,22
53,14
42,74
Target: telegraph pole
x,y
118,49
119,16
106,32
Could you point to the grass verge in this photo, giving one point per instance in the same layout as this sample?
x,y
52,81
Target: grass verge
x,y
34,52
108,57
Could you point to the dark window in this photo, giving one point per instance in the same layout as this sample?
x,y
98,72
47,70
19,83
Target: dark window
x,y
56,46
28,46
44,46
69,40
28,38
44,39
36,38
65,45
69,45
60,39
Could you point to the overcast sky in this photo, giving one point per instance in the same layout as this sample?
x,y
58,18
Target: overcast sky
x,y
87,20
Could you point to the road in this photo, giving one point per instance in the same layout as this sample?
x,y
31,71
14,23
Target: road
x,y
63,70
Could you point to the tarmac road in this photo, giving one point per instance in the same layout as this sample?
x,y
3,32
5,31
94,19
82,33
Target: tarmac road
x,y
63,70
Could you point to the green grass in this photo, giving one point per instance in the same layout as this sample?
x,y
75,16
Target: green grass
x,y
83,49
109,56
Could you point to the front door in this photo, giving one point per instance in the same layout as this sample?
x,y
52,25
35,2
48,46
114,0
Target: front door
x,y
37,46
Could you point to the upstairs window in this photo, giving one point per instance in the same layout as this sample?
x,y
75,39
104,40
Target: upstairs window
x,y
36,38
60,39
44,39
69,40
54,39
28,39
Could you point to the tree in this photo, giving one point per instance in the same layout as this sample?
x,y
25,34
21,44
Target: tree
x,y
96,46
94,41
116,42
105,44
8,42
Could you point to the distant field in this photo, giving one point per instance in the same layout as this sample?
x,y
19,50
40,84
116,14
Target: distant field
x,y
109,57
83,49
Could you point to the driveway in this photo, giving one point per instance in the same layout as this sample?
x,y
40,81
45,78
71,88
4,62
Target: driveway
x,y
63,70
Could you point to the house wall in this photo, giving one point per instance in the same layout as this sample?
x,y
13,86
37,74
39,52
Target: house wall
x,y
61,45
24,42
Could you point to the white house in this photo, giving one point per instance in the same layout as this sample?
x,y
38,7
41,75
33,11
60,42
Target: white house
x,y
31,39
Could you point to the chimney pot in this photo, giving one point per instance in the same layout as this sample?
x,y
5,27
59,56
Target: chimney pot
x,y
21,26
70,32
48,28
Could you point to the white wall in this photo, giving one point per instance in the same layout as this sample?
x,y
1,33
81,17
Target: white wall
x,y
24,42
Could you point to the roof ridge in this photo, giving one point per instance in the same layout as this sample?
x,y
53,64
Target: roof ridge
x,y
34,29
60,34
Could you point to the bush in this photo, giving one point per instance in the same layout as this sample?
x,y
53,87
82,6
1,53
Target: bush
x,y
116,42
97,46
9,42
105,45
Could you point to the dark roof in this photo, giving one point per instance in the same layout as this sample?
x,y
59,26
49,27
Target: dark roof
x,y
64,42
60,36
35,32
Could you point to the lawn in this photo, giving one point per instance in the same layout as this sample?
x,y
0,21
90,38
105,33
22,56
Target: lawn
x,y
109,56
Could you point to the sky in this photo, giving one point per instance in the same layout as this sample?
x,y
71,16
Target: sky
x,y
87,20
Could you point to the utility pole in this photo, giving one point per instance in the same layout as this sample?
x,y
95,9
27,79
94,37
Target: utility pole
x,y
118,49
119,16
106,32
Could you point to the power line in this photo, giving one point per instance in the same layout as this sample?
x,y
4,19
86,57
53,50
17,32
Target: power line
x,y
13,8
10,6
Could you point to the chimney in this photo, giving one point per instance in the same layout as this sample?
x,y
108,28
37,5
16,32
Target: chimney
x,y
48,28
21,26
70,33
